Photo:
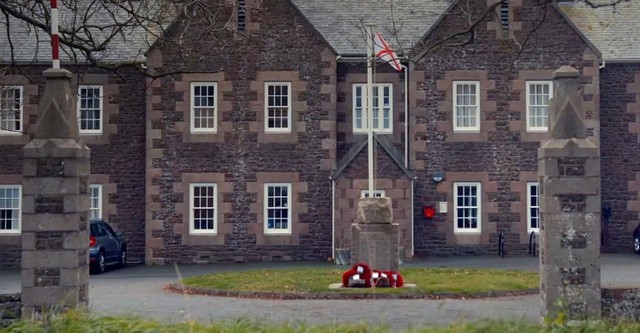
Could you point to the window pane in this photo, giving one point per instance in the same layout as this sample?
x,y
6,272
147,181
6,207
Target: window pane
x,y
10,108
467,205
10,213
203,106
203,210
381,105
277,207
277,108
538,97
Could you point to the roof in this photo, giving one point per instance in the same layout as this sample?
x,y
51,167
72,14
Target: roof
x,y
359,144
613,30
341,22
31,44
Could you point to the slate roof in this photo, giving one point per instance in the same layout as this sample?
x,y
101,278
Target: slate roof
x,y
614,31
340,21
33,44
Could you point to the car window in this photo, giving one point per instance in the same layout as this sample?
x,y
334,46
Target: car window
x,y
94,230
97,230
108,227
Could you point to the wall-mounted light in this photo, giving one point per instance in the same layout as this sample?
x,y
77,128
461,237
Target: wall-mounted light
x,y
438,176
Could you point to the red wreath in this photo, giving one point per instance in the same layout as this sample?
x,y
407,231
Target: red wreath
x,y
365,274
395,278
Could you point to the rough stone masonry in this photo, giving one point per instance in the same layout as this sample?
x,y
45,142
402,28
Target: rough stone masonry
x,y
55,239
569,176
375,236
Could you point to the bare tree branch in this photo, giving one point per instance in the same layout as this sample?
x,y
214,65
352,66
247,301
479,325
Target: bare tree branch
x,y
469,32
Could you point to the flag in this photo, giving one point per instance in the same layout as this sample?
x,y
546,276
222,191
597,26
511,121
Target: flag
x,y
383,51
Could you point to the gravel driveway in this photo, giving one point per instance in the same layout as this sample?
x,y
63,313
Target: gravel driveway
x,y
138,290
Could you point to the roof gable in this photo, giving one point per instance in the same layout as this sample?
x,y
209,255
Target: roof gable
x,y
402,23
360,143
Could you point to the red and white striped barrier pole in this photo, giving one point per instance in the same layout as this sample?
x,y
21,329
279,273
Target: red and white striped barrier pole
x,y
55,41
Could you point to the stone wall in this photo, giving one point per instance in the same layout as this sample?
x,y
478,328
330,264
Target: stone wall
x,y
117,155
621,303
240,156
10,308
620,135
502,155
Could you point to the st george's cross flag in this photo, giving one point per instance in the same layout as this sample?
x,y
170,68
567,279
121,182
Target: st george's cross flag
x,y
383,51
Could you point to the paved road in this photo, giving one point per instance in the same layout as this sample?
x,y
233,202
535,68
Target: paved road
x,y
138,290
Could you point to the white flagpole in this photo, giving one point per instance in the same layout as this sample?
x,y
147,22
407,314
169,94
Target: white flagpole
x,y
406,116
370,57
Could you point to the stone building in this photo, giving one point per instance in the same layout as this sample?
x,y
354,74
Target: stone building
x,y
256,151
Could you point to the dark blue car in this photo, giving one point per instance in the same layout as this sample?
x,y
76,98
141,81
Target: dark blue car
x,y
106,247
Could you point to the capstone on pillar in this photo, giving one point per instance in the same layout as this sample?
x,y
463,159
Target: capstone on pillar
x,y
55,239
569,176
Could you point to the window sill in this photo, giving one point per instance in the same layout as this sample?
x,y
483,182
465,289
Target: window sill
x,y
467,232
203,132
471,131
376,132
203,233
11,133
273,131
10,233
273,233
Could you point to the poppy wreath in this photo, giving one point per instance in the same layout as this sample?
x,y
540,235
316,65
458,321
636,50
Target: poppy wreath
x,y
362,271
394,279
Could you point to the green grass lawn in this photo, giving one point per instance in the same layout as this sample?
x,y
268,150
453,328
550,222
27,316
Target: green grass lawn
x,y
428,281
76,322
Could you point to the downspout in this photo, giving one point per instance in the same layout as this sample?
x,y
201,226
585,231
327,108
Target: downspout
x,y
412,216
603,64
406,116
333,218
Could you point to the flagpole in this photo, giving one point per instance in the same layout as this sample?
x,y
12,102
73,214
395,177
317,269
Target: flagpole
x,y
370,58
55,40
406,116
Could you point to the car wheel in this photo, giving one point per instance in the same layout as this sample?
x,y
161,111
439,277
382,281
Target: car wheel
x,y
123,258
636,244
101,265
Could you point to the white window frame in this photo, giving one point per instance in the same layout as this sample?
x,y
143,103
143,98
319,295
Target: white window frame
x,y
93,208
100,109
19,130
283,231
530,207
192,229
456,127
267,107
193,107
478,206
530,126
378,126
376,194
17,230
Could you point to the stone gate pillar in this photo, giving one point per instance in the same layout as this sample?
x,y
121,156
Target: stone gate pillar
x,y
374,235
569,176
55,238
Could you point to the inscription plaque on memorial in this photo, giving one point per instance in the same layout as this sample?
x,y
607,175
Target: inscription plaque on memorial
x,y
375,237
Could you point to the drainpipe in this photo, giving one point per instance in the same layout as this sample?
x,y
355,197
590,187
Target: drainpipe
x,y
603,64
406,116
333,218
412,215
